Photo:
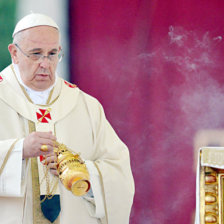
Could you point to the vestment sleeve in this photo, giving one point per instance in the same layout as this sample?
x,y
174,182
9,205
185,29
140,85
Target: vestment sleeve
x,y
95,197
113,163
12,167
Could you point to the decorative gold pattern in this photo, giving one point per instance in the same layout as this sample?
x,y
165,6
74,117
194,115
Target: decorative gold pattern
x,y
211,198
72,170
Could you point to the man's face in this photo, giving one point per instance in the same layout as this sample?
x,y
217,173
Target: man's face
x,y
37,40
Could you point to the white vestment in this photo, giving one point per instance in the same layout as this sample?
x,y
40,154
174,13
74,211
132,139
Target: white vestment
x,y
79,122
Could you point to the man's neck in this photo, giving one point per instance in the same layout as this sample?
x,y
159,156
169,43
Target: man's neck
x,y
37,97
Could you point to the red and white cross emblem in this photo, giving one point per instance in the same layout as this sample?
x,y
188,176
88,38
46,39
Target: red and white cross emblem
x,y
70,84
43,115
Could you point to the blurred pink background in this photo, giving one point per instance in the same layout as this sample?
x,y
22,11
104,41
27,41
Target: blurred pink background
x,y
157,68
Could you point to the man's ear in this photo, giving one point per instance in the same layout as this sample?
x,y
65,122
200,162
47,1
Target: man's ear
x,y
13,52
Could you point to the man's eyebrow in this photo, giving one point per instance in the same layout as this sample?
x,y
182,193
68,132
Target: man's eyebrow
x,y
35,49
40,49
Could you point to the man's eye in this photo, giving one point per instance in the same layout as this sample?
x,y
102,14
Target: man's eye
x,y
36,53
35,56
53,53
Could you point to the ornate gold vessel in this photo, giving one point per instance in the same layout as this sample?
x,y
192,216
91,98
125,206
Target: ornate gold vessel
x,y
212,186
72,170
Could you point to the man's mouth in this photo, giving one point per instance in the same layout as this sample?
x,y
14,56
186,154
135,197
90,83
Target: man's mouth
x,y
42,76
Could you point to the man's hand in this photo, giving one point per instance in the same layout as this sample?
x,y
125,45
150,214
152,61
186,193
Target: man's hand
x,y
33,142
51,162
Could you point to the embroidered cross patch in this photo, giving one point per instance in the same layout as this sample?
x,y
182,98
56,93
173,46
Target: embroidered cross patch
x,y
70,84
44,115
41,158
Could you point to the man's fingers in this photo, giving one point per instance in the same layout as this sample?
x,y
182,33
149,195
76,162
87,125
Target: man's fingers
x,y
54,172
35,140
52,166
46,135
50,158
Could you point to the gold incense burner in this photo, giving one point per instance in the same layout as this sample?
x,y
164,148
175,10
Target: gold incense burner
x,y
72,170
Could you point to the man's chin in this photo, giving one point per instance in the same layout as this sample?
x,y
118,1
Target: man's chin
x,y
41,85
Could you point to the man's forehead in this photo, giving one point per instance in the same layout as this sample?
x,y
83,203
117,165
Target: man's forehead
x,y
39,30
38,49
43,35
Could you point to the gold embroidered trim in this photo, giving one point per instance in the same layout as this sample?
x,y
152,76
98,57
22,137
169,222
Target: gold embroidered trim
x,y
53,100
49,97
7,156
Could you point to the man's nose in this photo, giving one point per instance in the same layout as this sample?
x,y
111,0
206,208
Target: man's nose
x,y
45,62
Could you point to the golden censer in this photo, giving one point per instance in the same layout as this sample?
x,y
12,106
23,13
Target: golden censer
x,y
72,170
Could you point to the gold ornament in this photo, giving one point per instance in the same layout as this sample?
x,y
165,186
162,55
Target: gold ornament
x,y
72,170
44,148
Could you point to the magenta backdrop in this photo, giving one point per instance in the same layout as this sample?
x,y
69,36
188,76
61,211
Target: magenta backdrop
x,y
157,68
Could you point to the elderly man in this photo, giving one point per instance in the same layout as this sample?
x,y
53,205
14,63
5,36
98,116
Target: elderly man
x,y
38,109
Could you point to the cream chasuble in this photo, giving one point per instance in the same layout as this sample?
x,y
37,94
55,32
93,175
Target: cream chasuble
x,y
78,121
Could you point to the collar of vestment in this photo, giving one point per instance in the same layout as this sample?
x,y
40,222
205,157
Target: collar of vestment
x,y
64,99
